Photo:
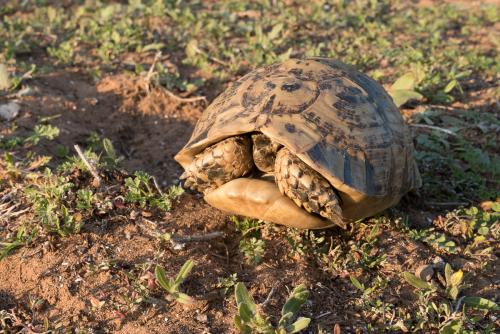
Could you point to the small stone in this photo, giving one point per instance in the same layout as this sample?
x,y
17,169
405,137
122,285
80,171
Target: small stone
x,y
9,111
438,263
425,272
203,318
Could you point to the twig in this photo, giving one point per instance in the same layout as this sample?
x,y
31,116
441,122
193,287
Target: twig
x,y
432,127
268,298
184,99
446,203
323,315
197,237
151,72
157,186
152,68
17,213
214,59
91,168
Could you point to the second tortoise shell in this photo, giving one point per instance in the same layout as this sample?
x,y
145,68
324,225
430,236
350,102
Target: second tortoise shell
x,y
334,118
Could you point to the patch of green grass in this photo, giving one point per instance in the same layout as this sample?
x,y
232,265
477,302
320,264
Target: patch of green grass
x,y
49,195
140,191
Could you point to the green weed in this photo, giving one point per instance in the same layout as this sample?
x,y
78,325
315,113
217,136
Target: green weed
x,y
252,247
141,192
171,286
49,197
250,320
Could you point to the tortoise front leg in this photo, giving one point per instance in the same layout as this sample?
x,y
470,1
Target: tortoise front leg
x,y
306,187
217,164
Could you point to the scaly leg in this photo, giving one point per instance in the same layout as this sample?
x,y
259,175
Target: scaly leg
x,y
219,163
306,187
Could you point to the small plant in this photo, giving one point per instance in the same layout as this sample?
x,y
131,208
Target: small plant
x,y
253,249
110,159
84,198
226,283
41,131
47,197
22,237
172,286
250,320
453,281
140,191
250,244
247,226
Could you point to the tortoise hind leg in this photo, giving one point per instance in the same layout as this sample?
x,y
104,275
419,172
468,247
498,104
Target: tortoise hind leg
x,y
217,164
306,187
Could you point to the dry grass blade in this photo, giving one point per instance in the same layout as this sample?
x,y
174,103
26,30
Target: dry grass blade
x,y
89,166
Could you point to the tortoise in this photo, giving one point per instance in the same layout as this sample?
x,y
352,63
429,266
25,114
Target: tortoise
x,y
307,143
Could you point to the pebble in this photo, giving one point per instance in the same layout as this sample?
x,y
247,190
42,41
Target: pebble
x,y
438,263
425,272
9,111
203,318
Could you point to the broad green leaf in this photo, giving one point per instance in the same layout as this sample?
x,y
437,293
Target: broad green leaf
x,y
161,278
357,283
449,87
416,282
407,81
245,313
242,296
457,277
263,325
454,327
481,303
4,78
297,298
183,272
453,292
285,318
298,325
401,96
245,329
447,274
496,206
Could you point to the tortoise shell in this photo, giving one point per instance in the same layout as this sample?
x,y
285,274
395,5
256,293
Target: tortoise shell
x,y
337,120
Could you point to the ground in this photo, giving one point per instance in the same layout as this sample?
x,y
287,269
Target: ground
x,y
78,253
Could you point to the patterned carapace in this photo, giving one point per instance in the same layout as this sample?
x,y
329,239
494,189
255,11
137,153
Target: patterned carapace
x,y
337,120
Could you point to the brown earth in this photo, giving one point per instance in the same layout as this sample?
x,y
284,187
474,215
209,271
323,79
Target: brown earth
x,y
92,281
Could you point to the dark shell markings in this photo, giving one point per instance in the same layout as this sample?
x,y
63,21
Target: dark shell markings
x,y
337,120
